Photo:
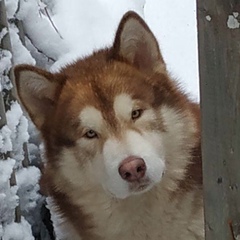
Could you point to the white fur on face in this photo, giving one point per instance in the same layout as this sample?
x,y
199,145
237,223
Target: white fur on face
x,y
91,118
123,106
158,149
146,146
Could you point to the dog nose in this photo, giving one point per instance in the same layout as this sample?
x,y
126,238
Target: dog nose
x,y
132,169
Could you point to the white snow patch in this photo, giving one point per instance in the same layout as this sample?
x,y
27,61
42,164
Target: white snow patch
x,y
18,231
41,5
89,25
6,168
175,26
5,63
208,18
18,125
3,33
39,30
5,66
5,139
11,7
235,14
20,53
28,187
8,197
232,21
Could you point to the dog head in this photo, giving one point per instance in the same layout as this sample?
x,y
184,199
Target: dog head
x,y
112,119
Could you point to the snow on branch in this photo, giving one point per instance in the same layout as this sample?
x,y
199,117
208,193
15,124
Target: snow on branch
x,y
40,31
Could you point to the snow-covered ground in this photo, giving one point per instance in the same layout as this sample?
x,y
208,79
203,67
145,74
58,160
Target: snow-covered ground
x,y
82,26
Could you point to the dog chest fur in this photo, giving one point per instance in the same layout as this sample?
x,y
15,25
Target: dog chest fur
x,y
156,216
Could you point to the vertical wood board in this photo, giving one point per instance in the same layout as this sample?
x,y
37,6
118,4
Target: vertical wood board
x,y
219,59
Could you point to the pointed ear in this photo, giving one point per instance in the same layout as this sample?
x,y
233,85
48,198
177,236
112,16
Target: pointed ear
x,y
135,43
36,90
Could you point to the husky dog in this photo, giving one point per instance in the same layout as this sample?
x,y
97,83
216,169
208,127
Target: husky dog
x,y
122,142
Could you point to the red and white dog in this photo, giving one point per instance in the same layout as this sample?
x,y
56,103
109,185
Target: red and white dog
x,y
122,142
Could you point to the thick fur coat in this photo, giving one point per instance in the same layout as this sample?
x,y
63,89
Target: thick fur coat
x,y
122,142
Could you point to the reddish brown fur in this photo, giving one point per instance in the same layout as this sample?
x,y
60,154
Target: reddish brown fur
x,y
76,78
96,80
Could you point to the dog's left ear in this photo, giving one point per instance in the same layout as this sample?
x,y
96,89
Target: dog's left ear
x,y
135,43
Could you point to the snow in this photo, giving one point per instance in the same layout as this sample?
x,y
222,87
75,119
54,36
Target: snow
x,y
11,7
5,139
175,26
5,65
232,21
102,17
52,44
28,190
81,27
208,18
18,125
20,53
5,171
18,231
8,197
235,14
3,33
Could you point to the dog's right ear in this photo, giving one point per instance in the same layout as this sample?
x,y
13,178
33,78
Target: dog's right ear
x,y
37,91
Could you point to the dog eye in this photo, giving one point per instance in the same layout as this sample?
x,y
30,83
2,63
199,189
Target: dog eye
x,y
91,134
136,114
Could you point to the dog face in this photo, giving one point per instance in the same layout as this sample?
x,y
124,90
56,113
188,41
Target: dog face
x,y
122,151
119,142
108,120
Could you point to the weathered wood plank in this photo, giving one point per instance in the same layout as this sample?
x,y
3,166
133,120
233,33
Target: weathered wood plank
x,y
219,59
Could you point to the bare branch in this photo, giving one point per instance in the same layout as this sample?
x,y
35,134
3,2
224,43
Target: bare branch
x,y
40,51
50,19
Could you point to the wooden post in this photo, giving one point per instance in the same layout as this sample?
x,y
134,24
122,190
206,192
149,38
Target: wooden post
x,y
219,59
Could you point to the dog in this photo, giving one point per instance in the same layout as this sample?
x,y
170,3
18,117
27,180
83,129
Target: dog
x,y
122,142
